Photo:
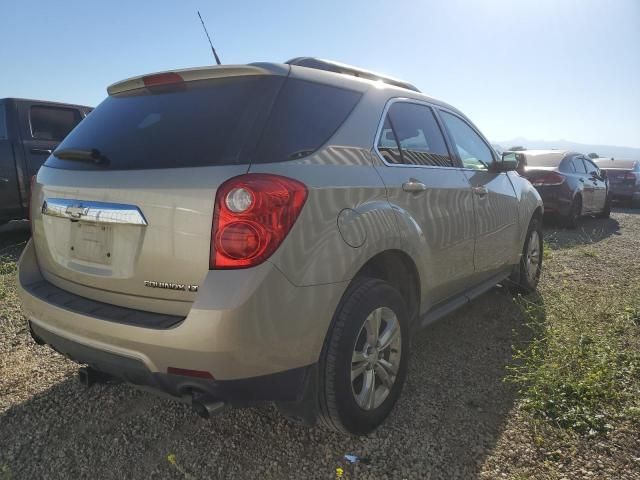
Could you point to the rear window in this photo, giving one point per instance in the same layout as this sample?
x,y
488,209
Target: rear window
x,y
544,160
53,123
225,121
626,164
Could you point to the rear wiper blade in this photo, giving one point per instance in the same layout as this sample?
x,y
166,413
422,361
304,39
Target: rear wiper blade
x,y
92,155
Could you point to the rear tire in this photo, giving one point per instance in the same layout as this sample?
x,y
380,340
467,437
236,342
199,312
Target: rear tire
x,y
571,220
525,276
361,378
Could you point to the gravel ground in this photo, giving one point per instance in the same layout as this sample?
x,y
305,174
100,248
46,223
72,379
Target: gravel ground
x,y
456,417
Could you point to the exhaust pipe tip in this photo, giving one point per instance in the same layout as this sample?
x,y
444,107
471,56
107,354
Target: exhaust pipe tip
x,y
206,406
89,376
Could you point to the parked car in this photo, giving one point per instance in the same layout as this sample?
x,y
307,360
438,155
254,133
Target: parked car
x,y
269,232
624,179
570,184
29,131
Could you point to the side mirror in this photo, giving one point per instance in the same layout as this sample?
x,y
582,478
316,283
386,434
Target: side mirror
x,y
507,162
603,174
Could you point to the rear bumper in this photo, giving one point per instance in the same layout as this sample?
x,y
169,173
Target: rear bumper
x,y
555,199
268,330
286,386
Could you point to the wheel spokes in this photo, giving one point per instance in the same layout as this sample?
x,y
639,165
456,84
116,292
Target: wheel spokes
x,y
372,326
358,364
384,376
390,333
388,366
366,397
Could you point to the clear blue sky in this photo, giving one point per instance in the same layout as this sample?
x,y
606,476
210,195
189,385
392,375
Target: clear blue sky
x,y
542,69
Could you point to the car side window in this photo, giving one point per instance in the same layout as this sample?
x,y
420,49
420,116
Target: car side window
x,y
567,166
591,167
473,151
578,165
53,123
388,144
414,130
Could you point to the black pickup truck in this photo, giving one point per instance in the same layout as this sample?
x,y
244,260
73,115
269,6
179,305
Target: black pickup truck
x,y
29,131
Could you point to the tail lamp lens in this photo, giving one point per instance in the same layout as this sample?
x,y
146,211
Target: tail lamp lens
x,y
630,176
548,179
239,200
252,216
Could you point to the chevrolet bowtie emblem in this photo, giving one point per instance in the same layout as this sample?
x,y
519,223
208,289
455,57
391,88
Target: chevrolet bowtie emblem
x,y
76,211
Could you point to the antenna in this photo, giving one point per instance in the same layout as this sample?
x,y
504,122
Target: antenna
x,y
213,50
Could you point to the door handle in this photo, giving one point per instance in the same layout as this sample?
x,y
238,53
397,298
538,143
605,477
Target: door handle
x,y
4,180
413,186
45,151
480,191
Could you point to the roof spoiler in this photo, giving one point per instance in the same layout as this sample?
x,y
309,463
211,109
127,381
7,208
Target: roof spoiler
x,y
201,73
336,67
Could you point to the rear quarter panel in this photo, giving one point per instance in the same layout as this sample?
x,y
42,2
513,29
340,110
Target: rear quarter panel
x,y
339,179
528,201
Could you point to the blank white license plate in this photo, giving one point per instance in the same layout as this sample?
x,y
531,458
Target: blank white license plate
x,y
92,243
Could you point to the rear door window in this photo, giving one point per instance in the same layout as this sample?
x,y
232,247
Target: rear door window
x,y
52,123
591,167
578,165
224,121
473,151
388,145
413,129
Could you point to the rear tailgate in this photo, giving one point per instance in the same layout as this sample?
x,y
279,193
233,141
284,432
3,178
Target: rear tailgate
x,y
143,234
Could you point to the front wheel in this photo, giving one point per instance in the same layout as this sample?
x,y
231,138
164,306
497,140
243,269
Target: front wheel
x,y
526,274
364,360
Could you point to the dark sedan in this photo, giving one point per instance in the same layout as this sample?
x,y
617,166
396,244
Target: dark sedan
x,y
624,178
570,184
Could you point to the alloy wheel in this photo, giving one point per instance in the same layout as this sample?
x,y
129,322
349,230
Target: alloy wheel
x,y
376,358
533,257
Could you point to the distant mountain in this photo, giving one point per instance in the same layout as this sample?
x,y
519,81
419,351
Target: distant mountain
x,y
627,153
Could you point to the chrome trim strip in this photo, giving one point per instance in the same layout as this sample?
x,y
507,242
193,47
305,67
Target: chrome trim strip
x,y
93,212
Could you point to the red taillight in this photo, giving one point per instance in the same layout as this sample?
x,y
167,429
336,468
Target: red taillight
x,y
548,179
168,78
29,197
630,176
252,216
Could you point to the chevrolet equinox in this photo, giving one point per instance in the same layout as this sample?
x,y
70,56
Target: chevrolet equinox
x,y
269,233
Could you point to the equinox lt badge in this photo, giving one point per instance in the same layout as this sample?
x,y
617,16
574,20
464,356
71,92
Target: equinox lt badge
x,y
171,286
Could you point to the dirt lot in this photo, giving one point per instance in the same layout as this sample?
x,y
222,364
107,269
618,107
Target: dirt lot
x,y
457,418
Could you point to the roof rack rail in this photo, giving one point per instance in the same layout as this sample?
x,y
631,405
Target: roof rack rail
x,y
336,67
